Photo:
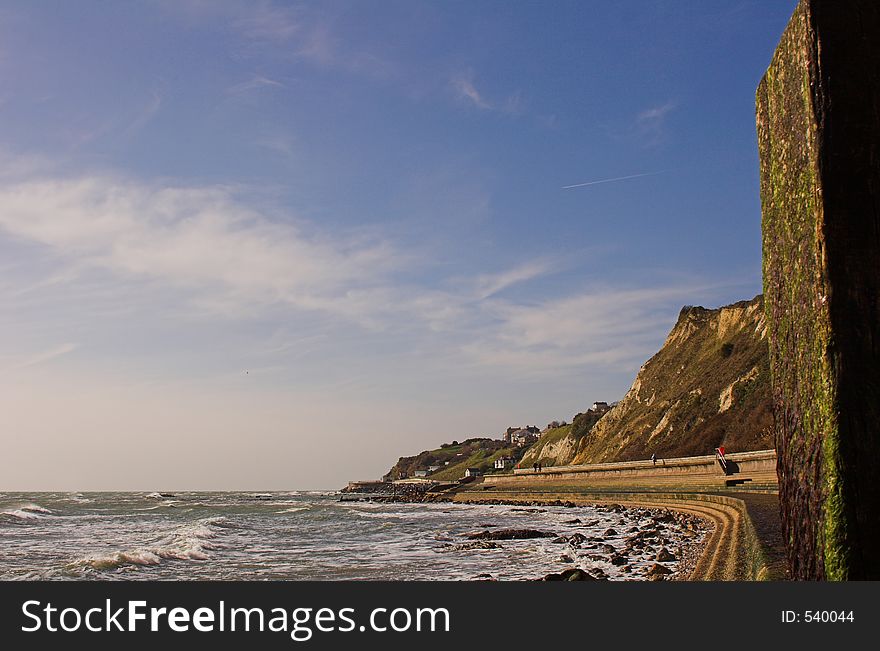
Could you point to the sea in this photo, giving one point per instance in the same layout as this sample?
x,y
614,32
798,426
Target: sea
x,y
298,535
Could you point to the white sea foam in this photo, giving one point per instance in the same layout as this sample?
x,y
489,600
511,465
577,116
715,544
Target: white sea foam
x,y
27,512
21,514
190,542
35,508
118,559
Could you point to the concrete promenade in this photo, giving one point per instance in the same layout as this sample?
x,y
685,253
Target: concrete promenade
x,y
746,541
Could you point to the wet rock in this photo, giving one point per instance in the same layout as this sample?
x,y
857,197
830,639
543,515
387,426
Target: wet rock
x,y
477,544
664,555
619,559
608,549
560,539
610,532
576,574
576,540
511,534
657,570
565,558
575,521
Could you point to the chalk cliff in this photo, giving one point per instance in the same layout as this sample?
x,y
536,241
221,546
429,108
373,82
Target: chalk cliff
x,y
708,385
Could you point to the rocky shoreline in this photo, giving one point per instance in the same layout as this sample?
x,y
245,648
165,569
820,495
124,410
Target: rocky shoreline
x,y
669,537
672,541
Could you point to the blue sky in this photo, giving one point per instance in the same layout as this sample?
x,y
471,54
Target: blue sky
x,y
277,245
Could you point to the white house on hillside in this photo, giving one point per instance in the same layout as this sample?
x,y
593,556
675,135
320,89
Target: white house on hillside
x,y
503,463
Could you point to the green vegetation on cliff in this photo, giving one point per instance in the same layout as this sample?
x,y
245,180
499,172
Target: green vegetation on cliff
x,y
545,449
708,386
454,458
561,442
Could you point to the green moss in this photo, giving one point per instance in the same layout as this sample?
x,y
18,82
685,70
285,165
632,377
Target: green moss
x,y
798,320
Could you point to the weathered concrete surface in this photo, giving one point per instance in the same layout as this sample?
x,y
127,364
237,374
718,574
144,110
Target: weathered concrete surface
x,y
818,122
751,471
755,461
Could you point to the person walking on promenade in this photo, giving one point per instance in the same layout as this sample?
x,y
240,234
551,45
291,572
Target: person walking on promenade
x,y
654,459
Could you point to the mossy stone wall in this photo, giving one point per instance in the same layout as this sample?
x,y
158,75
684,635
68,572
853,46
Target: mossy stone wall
x,y
818,122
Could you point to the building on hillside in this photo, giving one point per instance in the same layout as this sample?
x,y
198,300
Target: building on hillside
x,y
524,436
472,472
434,468
420,473
600,406
513,432
503,463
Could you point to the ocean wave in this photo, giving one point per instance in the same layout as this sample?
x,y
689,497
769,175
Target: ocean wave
x,y
27,512
166,504
20,514
118,559
190,542
160,496
35,508
294,509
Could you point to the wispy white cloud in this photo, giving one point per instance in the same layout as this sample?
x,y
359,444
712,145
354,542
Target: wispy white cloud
x,y
286,31
200,239
146,114
43,356
487,285
256,82
603,328
280,143
650,124
266,21
465,89
211,247
463,85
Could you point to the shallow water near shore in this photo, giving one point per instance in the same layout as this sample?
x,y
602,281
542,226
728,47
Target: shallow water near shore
x,y
311,536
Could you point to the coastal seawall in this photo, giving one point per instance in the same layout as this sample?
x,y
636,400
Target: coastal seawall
x,y
753,470
742,504
738,499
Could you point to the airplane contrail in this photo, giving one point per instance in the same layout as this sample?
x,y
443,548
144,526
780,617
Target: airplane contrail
x,y
618,178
